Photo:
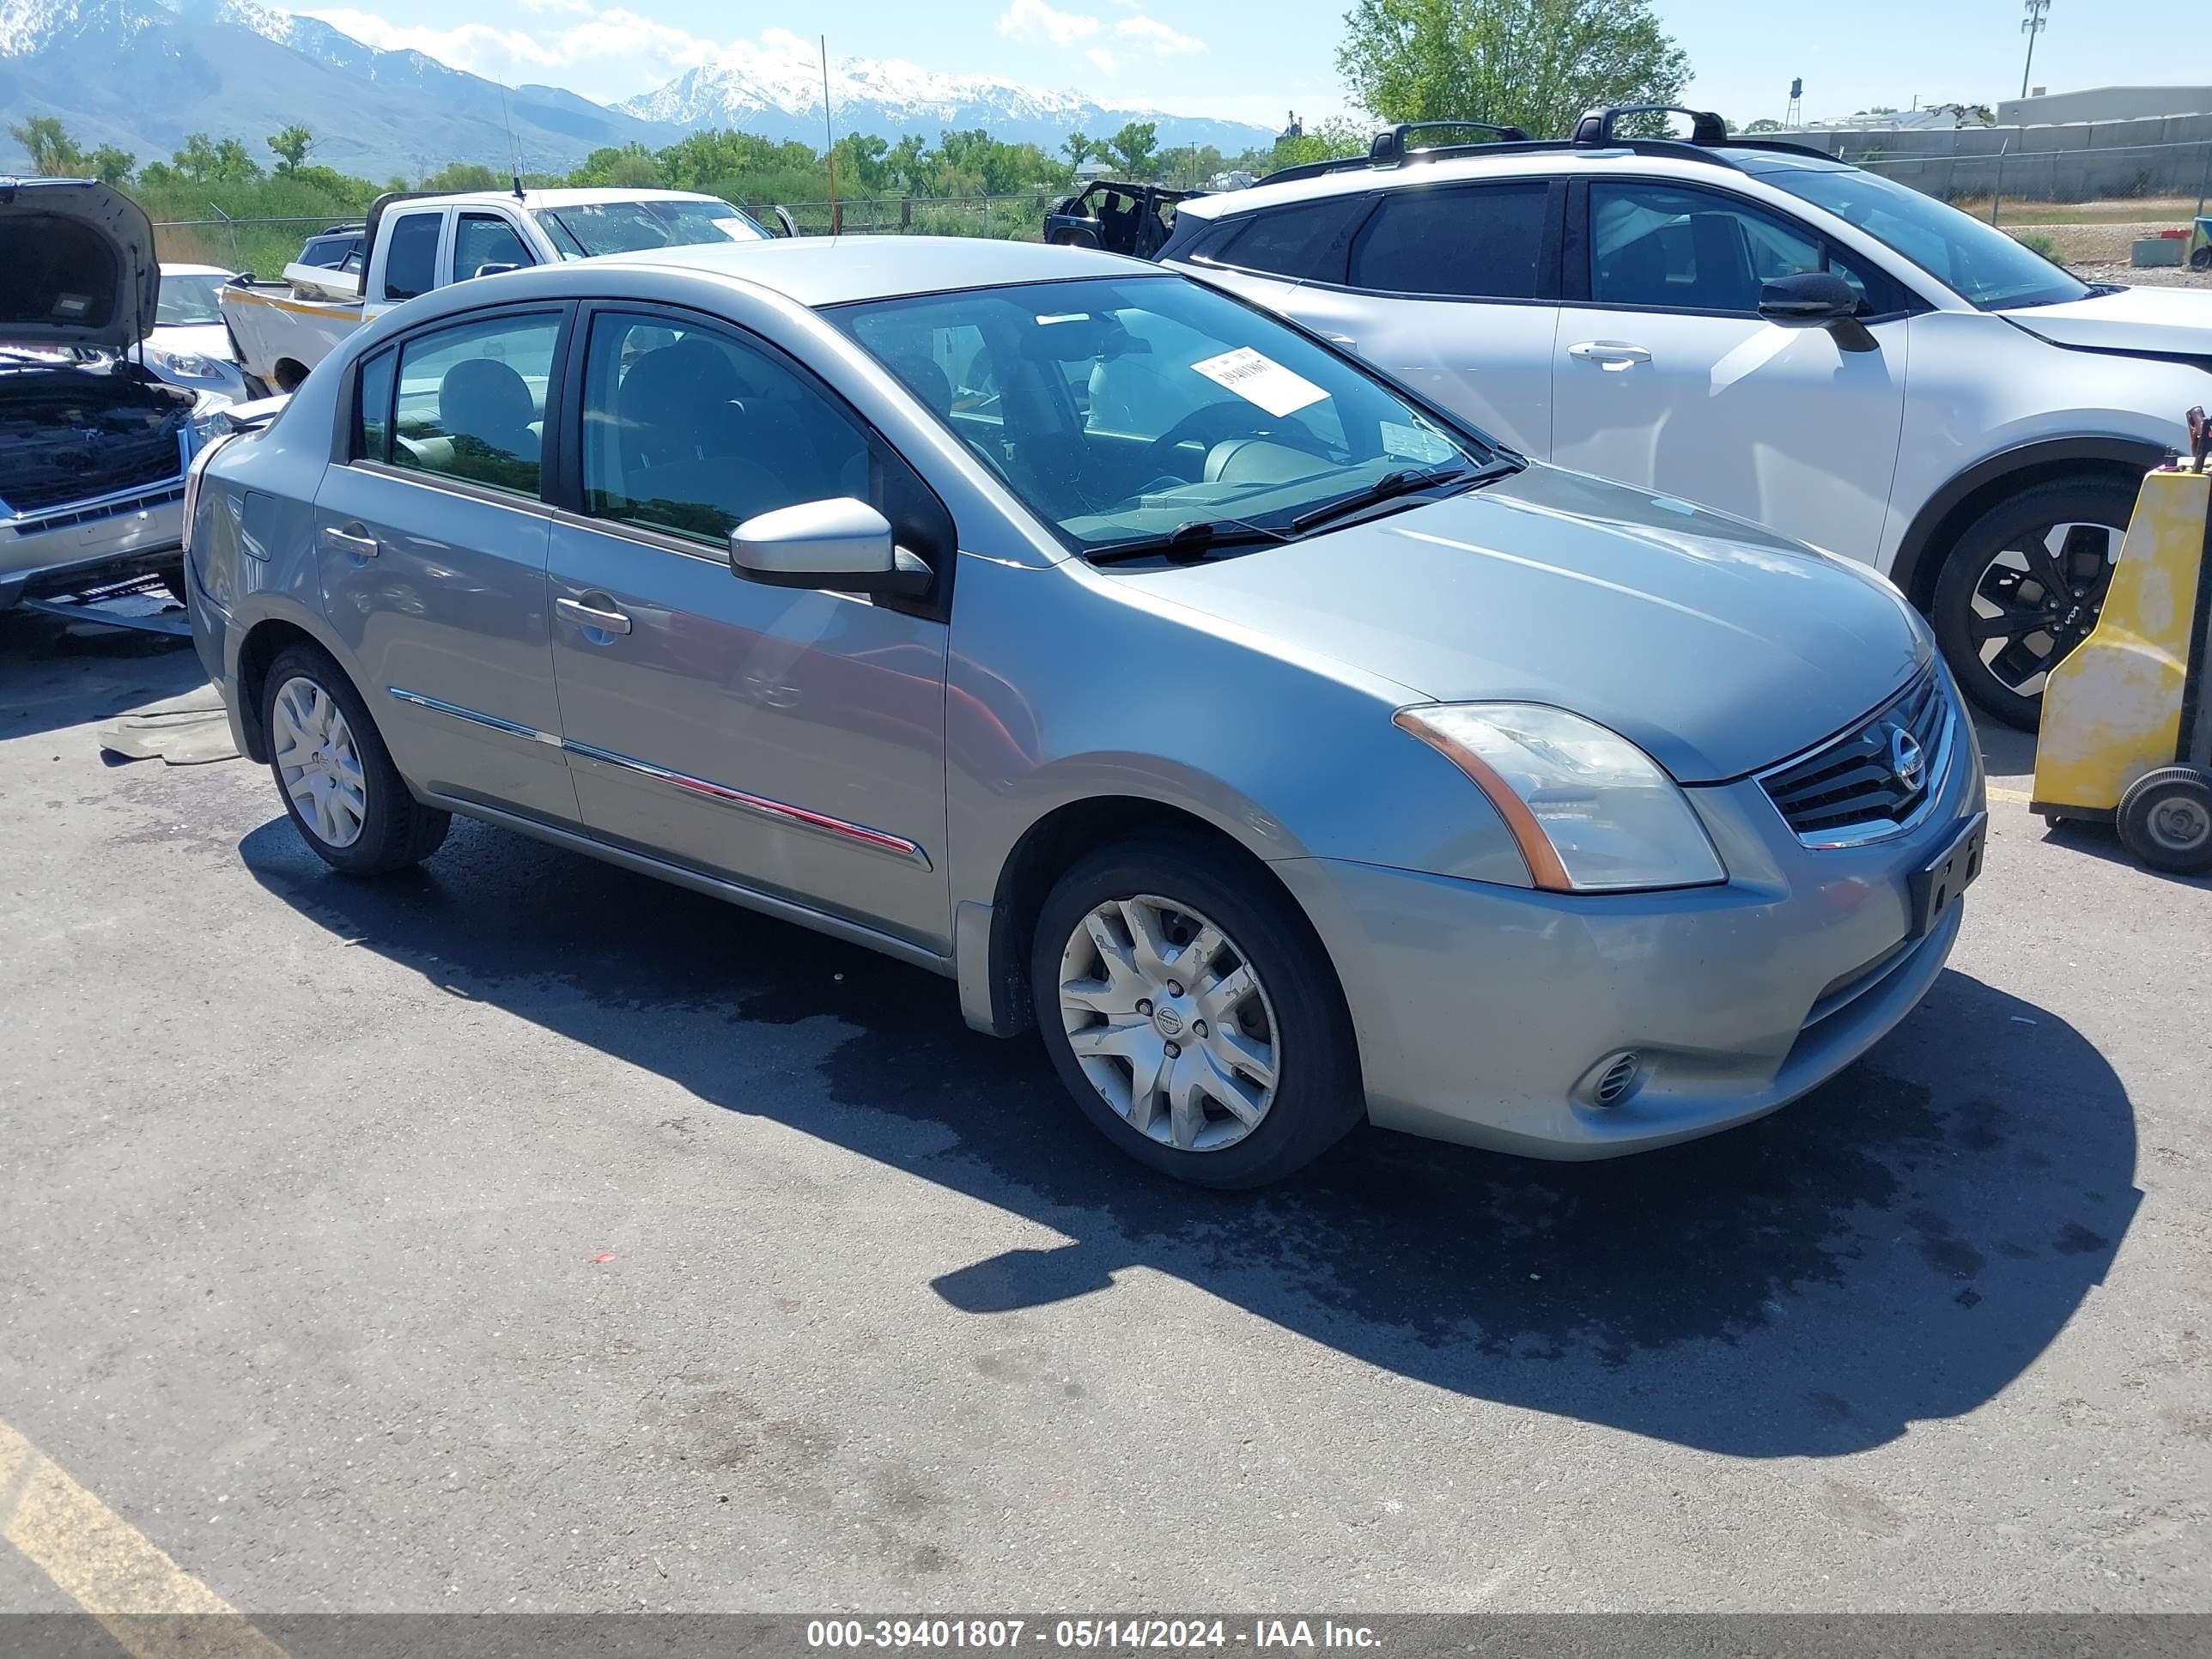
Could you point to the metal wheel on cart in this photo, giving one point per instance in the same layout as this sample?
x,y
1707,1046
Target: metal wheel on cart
x,y
2164,819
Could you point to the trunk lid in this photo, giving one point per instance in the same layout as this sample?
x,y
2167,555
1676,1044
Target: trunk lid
x,y
77,266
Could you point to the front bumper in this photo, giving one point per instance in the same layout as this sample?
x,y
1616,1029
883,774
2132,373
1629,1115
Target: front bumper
x,y
50,550
1483,1012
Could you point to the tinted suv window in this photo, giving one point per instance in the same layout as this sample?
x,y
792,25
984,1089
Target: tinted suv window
x,y
485,239
411,267
1481,242
1294,241
472,398
691,431
1694,250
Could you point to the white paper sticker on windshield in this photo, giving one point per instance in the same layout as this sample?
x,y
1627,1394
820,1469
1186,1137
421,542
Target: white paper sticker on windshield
x,y
1411,443
1260,380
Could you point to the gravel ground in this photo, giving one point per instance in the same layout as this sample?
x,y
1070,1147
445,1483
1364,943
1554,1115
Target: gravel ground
x,y
520,1234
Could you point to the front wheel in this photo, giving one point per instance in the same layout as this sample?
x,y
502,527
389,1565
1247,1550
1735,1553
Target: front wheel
x,y
2165,819
2023,586
1192,1014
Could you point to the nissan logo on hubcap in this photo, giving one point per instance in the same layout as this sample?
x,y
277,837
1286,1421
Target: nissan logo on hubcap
x,y
1167,1022
1906,758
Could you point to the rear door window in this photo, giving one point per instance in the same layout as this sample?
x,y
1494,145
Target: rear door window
x,y
411,266
472,401
1305,242
1460,242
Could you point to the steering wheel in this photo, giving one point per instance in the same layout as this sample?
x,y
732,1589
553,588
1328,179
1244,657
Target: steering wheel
x,y
1230,418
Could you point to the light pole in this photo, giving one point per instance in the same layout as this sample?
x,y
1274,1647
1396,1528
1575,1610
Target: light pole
x,y
2038,18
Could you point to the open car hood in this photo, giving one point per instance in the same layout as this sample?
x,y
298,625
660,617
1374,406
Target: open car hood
x,y
77,265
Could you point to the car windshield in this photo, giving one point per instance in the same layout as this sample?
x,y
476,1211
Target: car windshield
x,y
1978,262
587,230
187,300
1126,408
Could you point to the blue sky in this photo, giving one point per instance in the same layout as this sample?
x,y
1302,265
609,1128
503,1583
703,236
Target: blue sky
x,y
1255,59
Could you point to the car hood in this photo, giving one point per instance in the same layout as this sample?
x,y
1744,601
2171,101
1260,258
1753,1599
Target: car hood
x,y
81,265
1716,646
2171,321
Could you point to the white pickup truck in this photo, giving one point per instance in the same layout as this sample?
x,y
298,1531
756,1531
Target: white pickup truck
x,y
416,242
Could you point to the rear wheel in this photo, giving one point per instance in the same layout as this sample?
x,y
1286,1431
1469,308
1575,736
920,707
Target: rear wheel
x,y
336,778
2023,586
1192,1015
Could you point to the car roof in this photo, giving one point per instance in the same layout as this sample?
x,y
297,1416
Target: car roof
x,y
829,271
551,198
1543,159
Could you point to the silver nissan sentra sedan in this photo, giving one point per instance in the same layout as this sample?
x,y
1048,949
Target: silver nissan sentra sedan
x,y
1285,750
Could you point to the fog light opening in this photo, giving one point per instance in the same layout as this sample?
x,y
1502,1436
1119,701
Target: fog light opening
x,y
1615,1078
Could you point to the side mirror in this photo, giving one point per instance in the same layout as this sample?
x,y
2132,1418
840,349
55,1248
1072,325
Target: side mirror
x,y
1810,299
841,544
1817,298
494,269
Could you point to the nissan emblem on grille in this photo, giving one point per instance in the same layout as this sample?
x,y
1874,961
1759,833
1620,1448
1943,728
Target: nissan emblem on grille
x,y
1906,758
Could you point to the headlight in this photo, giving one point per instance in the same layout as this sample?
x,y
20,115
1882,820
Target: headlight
x,y
1592,812
184,365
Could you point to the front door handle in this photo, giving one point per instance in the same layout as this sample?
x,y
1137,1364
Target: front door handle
x,y
352,537
1613,356
605,618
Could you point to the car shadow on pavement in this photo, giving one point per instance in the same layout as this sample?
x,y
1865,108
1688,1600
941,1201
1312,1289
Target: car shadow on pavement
x,y
1898,1246
51,676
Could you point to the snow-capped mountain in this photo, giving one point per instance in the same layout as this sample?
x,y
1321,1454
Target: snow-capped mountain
x,y
780,96
142,74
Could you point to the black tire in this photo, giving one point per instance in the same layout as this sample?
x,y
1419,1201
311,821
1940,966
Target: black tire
x,y
397,831
2165,820
173,578
1318,1097
2202,259
1972,567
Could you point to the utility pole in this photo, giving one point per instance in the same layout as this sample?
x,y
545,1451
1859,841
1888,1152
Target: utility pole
x,y
2037,20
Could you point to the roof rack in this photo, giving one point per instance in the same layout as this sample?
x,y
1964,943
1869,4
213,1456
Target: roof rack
x,y
1595,130
1596,127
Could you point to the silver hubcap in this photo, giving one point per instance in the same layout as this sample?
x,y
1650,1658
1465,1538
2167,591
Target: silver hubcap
x,y
1169,1023
2180,826
317,763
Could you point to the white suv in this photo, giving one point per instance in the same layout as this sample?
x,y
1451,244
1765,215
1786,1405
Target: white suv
x,y
1761,329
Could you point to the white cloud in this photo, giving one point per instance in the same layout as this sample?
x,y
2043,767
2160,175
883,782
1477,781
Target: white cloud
x,y
1034,19
1101,60
1165,40
605,54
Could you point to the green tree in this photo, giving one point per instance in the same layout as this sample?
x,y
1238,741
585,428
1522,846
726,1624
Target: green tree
x,y
1329,142
860,164
1531,64
233,166
196,159
1079,148
463,175
291,147
912,166
111,166
53,153
1765,124
1136,149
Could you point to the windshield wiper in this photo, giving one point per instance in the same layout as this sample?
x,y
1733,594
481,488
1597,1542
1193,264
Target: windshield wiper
x,y
1186,544
1404,482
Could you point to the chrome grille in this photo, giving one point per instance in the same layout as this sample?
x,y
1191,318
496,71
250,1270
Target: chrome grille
x,y
1861,786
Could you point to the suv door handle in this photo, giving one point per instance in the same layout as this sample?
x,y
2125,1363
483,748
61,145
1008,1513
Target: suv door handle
x,y
607,620
1611,354
352,537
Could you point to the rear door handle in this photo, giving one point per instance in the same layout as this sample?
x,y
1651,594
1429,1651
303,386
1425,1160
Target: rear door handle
x,y
350,537
1611,354
606,619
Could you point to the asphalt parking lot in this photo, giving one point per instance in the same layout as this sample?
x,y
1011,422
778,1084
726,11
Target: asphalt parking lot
x,y
520,1234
